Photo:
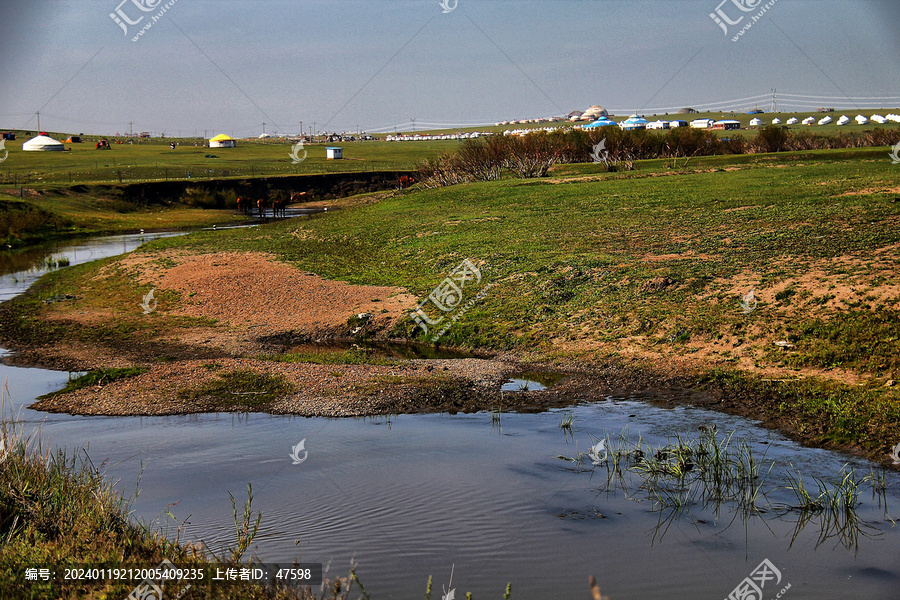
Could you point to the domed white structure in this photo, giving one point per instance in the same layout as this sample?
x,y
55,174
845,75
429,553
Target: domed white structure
x,y
776,121
825,120
634,122
843,120
755,122
862,119
879,119
793,121
595,112
809,121
43,143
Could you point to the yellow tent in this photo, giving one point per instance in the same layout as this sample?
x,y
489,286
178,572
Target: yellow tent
x,y
222,141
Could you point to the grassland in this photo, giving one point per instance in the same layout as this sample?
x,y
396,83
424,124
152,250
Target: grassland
x,y
153,160
644,269
655,264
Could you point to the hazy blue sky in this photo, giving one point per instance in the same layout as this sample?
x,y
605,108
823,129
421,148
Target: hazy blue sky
x,y
230,65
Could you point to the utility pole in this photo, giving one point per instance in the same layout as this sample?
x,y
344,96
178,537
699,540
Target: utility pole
x,y
301,129
414,124
39,120
774,101
314,130
130,129
264,128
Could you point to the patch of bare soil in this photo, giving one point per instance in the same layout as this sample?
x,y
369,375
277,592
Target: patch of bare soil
x,y
869,191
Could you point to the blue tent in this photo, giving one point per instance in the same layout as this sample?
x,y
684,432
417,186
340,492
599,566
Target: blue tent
x,y
603,122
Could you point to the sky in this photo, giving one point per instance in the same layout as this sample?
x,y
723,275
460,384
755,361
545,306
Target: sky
x,y
230,66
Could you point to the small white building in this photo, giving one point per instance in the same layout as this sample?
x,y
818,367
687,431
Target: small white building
x,y
727,124
334,153
793,121
825,120
843,120
222,141
809,120
659,124
702,123
755,122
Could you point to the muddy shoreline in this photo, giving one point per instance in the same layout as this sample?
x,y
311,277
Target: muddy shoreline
x,y
226,317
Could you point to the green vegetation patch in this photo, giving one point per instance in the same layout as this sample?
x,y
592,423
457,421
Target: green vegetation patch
x,y
22,223
863,341
239,388
99,377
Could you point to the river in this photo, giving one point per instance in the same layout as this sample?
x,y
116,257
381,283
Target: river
x,y
416,495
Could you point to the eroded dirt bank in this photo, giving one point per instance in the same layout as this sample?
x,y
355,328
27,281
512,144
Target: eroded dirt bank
x,y
224,326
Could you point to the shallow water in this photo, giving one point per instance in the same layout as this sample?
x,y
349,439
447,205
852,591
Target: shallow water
x,y
414,495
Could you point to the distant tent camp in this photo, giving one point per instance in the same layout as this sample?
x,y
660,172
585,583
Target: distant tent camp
x,y
222,141
42,143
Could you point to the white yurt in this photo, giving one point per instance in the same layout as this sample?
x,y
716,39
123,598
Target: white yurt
x,y
596,111
755,122
879,119
776,121
42,143
862,119
825,120
843,120
222,141
634,122
809,121
893,117
793,121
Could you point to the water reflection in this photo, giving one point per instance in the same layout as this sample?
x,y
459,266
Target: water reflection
x,y
710,477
